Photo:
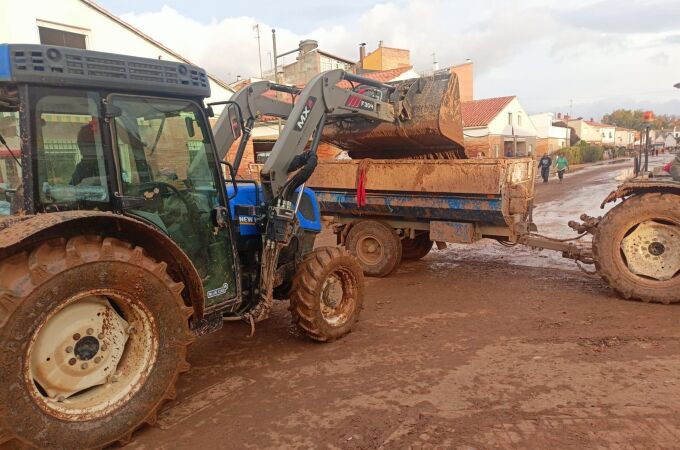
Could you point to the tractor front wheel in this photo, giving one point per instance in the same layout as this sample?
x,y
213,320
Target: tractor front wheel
x,y
328,294
93,333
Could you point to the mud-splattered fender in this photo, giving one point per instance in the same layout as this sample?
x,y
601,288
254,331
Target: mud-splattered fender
x,y
642,187
18,233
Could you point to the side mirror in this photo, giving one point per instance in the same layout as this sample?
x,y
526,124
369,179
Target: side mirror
x,y
234,120
189,124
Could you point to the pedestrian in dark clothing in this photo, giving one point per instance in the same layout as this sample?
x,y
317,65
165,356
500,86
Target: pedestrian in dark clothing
x,y
544,165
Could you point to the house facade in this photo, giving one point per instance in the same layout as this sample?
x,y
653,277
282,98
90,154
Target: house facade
x,y
585,130
384,58
624,137
84,24
310,61
551,135
497,127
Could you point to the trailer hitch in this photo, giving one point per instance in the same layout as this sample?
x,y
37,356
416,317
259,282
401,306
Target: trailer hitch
x,y
587,225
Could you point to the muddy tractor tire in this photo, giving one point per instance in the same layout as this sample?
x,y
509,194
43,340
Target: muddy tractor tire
x,y
94,334
328,294
376,246
416,248
637,248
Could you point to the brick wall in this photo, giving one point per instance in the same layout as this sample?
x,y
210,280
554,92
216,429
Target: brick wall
x,y
474,145
465,75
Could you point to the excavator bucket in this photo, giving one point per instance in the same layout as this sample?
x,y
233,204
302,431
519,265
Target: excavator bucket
x,y
430,124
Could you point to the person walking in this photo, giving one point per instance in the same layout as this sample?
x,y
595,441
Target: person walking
x,y
561,164
544,165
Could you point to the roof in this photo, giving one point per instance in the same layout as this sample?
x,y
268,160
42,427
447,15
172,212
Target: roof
x,y
148,38
339,58
478,113
382,76
592,123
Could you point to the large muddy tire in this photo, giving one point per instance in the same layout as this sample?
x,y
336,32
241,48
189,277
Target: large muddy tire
x,y
328,294
376,246
416,248
94,334
637,248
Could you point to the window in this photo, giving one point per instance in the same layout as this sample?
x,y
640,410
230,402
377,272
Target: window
x,y
52,36
610,135
166,157
519,119
509,118
70,155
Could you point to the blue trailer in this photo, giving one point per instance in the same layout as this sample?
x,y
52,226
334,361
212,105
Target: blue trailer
x,y
402,206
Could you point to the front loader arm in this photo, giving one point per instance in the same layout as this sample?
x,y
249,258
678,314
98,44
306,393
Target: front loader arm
x,y
252,104
320,97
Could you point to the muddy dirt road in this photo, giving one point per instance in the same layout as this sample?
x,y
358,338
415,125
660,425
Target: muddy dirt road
x,y
451,353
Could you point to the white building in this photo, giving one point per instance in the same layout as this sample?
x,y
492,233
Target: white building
x,y
497,127
84,24
550,137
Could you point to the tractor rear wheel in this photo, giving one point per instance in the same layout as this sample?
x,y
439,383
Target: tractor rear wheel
x,y
328,294
637,248
376,246
416,248
94,334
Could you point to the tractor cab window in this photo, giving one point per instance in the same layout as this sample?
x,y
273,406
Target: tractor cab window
x,y
11,200
167,173
71,168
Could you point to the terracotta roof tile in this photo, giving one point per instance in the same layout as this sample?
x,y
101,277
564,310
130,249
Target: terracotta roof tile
x,y
478,113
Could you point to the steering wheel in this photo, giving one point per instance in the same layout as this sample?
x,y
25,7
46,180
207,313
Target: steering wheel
x,y
191,208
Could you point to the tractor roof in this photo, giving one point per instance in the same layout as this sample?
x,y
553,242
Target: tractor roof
x,y
64,67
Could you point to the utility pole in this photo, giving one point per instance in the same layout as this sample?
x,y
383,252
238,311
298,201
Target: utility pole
x,y
276,72
435,63
256,27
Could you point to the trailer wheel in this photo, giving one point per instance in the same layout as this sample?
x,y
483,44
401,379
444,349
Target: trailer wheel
x,y
637,248
416,248
328,294
93,334
376,246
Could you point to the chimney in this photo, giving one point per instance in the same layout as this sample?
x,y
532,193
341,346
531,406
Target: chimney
x,y
362,56
308,45
465,73
591,119
559,115
380,43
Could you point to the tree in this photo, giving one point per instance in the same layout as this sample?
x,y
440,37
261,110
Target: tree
x,y
633,119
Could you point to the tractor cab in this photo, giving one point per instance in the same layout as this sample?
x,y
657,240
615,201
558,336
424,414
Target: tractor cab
x,y
103,132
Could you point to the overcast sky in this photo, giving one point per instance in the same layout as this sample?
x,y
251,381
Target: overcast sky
x,y
595,54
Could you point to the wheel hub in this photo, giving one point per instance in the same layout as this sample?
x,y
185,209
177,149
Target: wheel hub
x,y
332,292
78,348
369,250
652,250
86,348
335,300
